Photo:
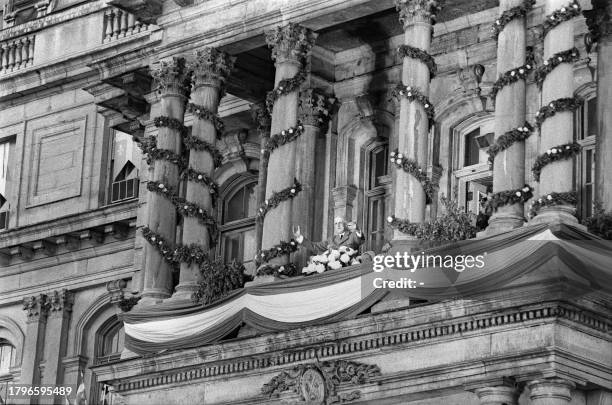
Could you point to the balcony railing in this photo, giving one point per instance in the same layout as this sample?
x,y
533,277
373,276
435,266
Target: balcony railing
x,y
120,24
16,54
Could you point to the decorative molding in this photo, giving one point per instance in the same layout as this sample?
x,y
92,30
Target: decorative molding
x,y
291,41
211,67
172,77
115,288
37,307
317,383
424,10
314,108
61,301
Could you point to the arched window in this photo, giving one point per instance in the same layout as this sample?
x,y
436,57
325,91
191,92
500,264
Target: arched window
x,y
109,341
585,133
239,205
377,186
7,356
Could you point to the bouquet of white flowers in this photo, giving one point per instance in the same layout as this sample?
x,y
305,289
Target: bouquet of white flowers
x,y
332,259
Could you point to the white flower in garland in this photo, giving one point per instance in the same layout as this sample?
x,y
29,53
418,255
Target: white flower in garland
x,y
389,219
526,189
549,197
518,193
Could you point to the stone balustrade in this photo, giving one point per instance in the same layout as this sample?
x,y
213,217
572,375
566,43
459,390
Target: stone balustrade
x,y
120,24
17,53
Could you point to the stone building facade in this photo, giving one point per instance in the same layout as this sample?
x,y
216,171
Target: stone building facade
x,y
85,84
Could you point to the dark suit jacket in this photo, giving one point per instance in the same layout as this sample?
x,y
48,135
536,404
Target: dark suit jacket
x,y
348,239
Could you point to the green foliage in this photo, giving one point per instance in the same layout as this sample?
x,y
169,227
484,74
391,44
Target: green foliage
x,y
218,280
600,223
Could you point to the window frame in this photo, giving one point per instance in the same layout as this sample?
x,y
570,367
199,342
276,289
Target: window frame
x,y
380,191
587,143
108,183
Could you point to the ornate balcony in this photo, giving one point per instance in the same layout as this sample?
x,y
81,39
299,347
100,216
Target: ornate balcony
x,y
120,24
16,54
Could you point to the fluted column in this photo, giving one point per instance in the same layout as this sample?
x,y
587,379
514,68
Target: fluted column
x,y
211,69
599,21
263,120
556,119
37,310
314,114
56,341
173,84
510,101
417,17
551,391
290,45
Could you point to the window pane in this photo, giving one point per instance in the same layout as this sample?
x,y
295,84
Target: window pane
x,y
125,157
592,117
472,150
6,356
232,247
251,199
235,206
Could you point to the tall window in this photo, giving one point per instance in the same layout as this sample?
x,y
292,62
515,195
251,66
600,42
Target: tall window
x,y
125,158
473,177
110,341
7,356
6,149
238,239
586,134
377,184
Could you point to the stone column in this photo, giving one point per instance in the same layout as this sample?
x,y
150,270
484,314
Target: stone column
x,y
314,114
413,131
60,307
599,21
211,69
510,104
173,81
550,391
263,120
498,395
599,397
557,129
290,47
37,310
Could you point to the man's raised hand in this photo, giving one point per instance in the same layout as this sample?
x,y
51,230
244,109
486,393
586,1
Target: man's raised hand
x,y
296,232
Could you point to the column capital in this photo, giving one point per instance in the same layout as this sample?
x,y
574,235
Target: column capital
x,y
115,288
315,108
172,77
211,67
599,19
418,10
291,42
550,388
36,307
261,116
61,302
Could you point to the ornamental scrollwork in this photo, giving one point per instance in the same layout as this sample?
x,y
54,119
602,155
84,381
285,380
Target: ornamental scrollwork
x,y
423,9
172,76
318,383
211,65
290,40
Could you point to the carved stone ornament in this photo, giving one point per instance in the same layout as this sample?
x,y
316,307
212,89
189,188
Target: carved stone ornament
x,y
318,383
290,42
61,301
599,19
424,10
172,77
35,306
261,116
211,66
315,108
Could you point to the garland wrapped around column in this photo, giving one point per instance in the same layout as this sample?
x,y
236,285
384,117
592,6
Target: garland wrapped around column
x,y
510,15
413,94
569,56
411,167
509,197
278,197
563,14
508,139
560,152
570,104
552,199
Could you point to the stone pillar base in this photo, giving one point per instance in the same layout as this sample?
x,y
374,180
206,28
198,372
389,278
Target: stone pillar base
x,y
558,214
499,395
183,292
500,223
551,391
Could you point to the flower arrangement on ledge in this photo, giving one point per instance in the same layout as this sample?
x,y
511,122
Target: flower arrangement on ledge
x,y
508,139
218,279
569,104
407,51
277,198
509,197
411,167
283,248
511,14
332,259
566,198
281,271
558,16
454,224
561,152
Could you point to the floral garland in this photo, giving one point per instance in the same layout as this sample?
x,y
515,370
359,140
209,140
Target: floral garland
x,y
184,207
508,139
204,113
283,248
407,51
510,77
172,123
278,197
126,304
203,179
558,16
566,198
175,254
411,167
561,152
569,56
414,94
509,197
149,148
511,14
189,254
165,248
559,105
287,86
286,270
195,143
285,136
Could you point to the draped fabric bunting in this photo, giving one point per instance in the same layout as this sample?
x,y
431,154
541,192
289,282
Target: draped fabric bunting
x,y
560,251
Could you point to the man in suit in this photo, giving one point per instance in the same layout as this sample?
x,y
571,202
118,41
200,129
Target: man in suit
x,y
345,234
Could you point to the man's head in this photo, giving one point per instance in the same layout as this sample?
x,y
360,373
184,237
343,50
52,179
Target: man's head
x,y
339,225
